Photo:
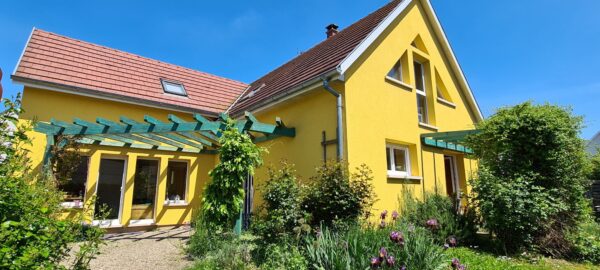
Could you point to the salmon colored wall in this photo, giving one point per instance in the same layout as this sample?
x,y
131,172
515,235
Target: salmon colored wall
x,y
44,105
380,111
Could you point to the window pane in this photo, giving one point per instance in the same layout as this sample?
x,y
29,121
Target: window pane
x,y
144,187
422,108
173,88
176,180
387,155
400,160
419,83
396,71
75,187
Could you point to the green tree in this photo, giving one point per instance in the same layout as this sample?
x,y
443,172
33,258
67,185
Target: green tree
x,y
531,182
224,195
595,166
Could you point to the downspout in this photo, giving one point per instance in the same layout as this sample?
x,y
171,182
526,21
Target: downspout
x,y
340,130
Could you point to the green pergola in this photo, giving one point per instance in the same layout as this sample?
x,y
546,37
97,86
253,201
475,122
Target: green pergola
x,y
451,140
198,136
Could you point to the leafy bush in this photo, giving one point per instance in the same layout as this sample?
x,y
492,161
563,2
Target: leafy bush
x,y
531,184
283,257
281,211
451,223
586,239
336,195
224,195
205,240
595,167
31,234
364,247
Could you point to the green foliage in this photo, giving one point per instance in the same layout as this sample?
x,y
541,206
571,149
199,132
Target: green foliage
x,y
451,223
31,235
206,240
595,167
586,239
531,183
283,257
233,253
353,249
282,211
336,195
224,195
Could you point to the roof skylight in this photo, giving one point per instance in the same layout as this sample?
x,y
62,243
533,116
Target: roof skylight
x,y
173,88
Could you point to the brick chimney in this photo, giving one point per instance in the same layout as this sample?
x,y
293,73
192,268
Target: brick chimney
x,y
332,29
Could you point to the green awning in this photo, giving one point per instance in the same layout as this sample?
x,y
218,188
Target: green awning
x,y
450,140
198,136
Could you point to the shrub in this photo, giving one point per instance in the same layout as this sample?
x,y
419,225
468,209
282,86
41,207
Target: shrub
x,y
586,239
31,234
224,195
234,253
361,248
595,166
281,212
283,257
531,183
451,223
336,195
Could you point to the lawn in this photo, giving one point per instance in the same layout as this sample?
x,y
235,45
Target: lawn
x,y
478,260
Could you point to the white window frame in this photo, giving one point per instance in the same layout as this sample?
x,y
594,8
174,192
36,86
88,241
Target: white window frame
x,y
423,93
389,148
187,180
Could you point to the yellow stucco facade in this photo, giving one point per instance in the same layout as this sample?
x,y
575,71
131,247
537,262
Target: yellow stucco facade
x,y
378,112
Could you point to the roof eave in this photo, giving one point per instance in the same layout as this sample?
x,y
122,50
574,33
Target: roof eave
x,y
74,90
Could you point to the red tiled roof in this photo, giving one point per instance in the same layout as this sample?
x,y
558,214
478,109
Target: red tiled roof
x,y
321,59
65,62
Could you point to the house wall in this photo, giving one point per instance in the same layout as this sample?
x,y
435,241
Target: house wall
x,y
381,112
43,105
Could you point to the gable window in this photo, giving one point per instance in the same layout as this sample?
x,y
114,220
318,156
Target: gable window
x,y
74,188
174,88
177,175
396,72
421,93
398,162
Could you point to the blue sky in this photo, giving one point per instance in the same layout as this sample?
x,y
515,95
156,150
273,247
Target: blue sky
x,y
510,51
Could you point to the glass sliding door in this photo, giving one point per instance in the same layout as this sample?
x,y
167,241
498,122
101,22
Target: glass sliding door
x,y
144,189
110,184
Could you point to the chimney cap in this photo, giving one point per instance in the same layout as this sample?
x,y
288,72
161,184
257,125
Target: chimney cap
x,y
332,26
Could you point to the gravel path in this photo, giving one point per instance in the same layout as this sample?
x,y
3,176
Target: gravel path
x,y
159,249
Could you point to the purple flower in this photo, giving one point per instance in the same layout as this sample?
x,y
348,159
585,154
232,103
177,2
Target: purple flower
x,y
375,262
395,215
452,241
455,263
382,253
432,223
403,267
461,267
397,237
390,261
384,214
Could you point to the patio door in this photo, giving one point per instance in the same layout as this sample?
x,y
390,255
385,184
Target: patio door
x,y
452,186
109,190
144,190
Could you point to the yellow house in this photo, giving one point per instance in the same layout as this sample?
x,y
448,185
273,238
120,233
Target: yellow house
x,y
386,91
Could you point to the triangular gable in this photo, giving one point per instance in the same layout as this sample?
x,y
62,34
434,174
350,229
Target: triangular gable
x,y
438,32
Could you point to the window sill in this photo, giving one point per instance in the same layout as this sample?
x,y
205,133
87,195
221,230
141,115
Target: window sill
x,y
428,126
72,205
402,84
173,203
407,177
447,103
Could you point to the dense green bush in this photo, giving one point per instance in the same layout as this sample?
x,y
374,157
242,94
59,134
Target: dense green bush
x,y
232,253
586,239
281,211
451,223
283,257
334,195
364,247
595,167
224,195
31,234
531,184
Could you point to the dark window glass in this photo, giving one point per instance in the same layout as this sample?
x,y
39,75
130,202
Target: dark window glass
x,y
419,80
144,187
75,187
176,180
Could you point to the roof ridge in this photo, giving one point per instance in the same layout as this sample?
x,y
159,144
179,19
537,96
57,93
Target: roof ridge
x,y
137,55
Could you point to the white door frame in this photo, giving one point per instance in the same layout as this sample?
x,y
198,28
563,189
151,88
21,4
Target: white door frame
x,y
112,222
